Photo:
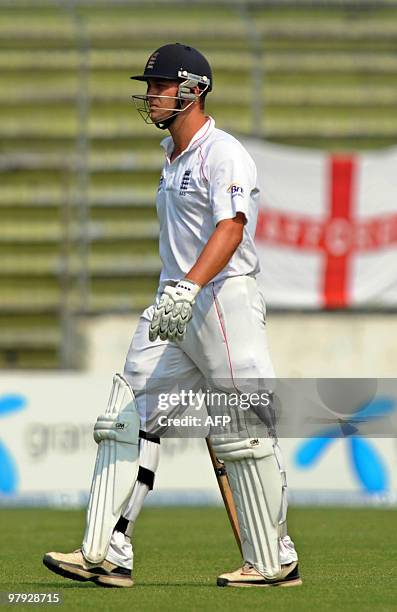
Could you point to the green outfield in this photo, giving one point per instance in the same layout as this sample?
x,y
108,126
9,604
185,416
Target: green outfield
x,y
348,561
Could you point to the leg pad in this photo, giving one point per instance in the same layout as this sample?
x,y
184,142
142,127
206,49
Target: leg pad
x,y
116,468
258,487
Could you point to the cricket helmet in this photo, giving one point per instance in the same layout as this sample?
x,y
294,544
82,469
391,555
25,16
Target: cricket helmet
x,y
178,62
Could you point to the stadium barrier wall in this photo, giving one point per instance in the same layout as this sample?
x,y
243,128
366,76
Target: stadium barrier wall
x,y
47,451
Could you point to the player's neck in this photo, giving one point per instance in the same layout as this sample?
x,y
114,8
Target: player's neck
x,y
183,129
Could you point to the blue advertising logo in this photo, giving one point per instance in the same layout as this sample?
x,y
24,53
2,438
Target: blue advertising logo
x,y
8,469
367,464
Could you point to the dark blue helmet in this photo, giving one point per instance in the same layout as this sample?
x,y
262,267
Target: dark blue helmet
x,y
178,62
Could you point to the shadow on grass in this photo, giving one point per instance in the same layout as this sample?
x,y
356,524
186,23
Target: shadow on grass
x,y
55,586
91,585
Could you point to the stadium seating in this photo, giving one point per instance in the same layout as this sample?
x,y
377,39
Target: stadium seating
x,y
79,168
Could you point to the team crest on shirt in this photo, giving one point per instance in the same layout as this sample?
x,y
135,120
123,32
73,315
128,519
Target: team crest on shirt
x,y
185,182
235,190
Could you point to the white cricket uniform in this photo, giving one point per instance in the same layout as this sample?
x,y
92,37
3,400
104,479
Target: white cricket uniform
x,y
213,179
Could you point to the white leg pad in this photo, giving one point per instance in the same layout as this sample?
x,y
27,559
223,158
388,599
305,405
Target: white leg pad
x,y
116,468
259,491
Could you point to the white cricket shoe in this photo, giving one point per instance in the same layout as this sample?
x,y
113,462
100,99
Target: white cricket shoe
x,y
248,576
75,566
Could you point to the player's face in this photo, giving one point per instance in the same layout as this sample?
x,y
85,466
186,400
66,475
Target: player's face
x,y
160,107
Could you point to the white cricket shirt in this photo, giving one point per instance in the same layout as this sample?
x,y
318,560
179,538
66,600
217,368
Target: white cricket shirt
x,y
214,178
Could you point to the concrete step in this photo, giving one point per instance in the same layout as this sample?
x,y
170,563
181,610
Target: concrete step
x,y
28,302
226,61
53,231
288,95
120,265
128,161
36,338
53,196
116,128
59,29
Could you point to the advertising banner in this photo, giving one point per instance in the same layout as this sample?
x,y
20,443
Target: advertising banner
x,y
47,451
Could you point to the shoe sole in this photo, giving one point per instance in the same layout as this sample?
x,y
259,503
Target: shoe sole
x,y
113,581
224,582
79,574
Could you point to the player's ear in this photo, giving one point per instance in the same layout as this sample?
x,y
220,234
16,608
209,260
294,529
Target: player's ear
x,y
197,92
188,94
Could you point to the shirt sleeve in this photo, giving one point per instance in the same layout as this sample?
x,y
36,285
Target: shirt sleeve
x,y
232,180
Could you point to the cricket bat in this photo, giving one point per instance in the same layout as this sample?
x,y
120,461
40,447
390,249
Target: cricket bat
x,y
223,482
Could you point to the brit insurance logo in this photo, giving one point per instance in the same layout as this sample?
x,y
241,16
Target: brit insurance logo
x,y
9,404
185,182
235,190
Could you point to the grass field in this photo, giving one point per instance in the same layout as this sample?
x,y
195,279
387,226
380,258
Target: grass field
x,y
348,561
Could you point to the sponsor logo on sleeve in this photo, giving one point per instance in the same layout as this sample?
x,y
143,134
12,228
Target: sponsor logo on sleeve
x,y
235,190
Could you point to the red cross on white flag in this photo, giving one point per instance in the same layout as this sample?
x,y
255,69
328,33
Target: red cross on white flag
x,y
327,227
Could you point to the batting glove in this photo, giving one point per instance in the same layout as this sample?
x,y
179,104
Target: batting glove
x,y
173,311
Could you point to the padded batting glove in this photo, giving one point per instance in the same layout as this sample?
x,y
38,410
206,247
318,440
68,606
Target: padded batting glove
x,y
173,311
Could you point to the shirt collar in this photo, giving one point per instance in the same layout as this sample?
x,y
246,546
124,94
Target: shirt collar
x,y
201,135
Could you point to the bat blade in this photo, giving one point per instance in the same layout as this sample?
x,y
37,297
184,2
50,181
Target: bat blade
x,y
226,492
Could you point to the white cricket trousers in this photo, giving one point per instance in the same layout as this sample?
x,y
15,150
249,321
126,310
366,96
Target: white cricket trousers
x,y
225,343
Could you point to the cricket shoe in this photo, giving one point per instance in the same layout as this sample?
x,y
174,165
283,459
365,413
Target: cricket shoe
x,y
248,576
75,566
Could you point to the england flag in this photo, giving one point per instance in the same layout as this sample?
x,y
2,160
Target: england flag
x,y
327,227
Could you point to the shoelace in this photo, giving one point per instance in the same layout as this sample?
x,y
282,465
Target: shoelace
x,y
248,566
